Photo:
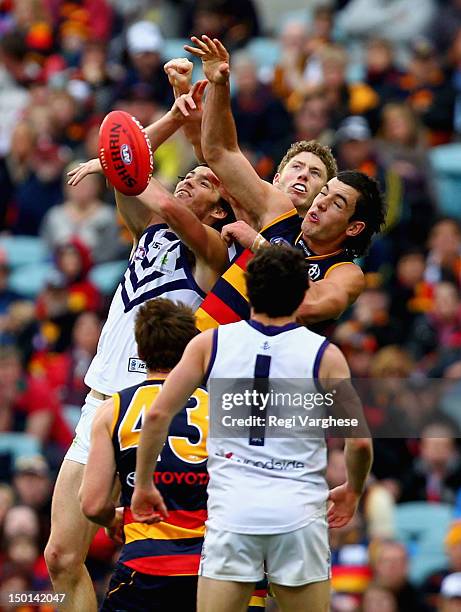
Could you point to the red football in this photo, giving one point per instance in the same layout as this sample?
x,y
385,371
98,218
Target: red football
x,y
125,153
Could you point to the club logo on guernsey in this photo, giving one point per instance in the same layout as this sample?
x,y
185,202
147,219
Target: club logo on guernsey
x,y
140,253
279,241
314,271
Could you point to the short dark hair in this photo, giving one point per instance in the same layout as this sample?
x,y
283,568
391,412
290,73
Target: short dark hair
x,y
230,215
225,205
162,331
276,281
370,208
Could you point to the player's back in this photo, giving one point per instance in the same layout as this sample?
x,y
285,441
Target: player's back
x,y
281,479
159,267
171,547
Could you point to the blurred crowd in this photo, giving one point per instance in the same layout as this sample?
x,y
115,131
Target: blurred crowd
x,y
380,82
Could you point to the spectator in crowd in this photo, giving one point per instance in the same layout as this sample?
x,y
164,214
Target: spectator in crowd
x,y
436,475
7,296
64,372
410,294
73,260
444,257
402,148
261,119
451,593
427,89
390,571
289,72
432,583
378,599
234,22
454,68
27,404
381,71
396,20
40,189
445,25
440,326
85,216
312,119
145,47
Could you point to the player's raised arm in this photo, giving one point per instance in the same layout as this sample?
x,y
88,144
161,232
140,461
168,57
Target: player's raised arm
x,y
147,503
185,109
98,479
204,241
334,372
179,72
219,139
328,298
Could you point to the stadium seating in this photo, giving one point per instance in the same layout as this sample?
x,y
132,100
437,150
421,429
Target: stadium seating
x,y
22,250
446,163
422,528
19,445
28,280
106,276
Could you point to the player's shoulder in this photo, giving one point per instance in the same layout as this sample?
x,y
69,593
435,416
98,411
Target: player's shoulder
x,y
333,364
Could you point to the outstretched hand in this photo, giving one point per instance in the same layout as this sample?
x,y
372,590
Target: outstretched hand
x,y
344,504
147,505
188,107
179,71
92,166
214,56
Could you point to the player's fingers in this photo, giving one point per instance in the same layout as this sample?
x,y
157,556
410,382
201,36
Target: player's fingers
x,y
161,509
181,105
197,90
75,180
220,47
210,44
190,102
200,43
194,51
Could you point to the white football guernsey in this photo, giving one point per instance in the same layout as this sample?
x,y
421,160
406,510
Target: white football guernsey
x,y
157,268
279,486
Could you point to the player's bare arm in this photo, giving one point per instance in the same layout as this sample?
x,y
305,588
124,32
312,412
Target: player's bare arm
x,y
358,451
328,298
95,494
204,241
147,504
185,108
179,72
219,140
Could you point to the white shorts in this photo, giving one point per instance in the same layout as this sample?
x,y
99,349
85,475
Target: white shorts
x,y
80,447
289,559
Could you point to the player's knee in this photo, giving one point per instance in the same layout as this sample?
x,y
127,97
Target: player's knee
x,y
62,560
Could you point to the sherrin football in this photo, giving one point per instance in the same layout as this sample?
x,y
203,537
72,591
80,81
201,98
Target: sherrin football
x,y
125,153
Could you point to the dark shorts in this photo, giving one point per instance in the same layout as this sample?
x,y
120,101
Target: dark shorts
x,y
131,591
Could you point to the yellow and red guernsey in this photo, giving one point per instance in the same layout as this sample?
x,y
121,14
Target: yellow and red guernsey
x,y
227,302
173,546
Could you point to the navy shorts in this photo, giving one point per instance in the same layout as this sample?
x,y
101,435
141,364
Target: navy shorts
x,y
131,591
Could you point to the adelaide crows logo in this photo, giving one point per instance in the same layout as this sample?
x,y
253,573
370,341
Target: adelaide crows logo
x,y
313,271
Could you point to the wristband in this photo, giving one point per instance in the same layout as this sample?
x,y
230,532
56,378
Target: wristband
x,y
258,242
